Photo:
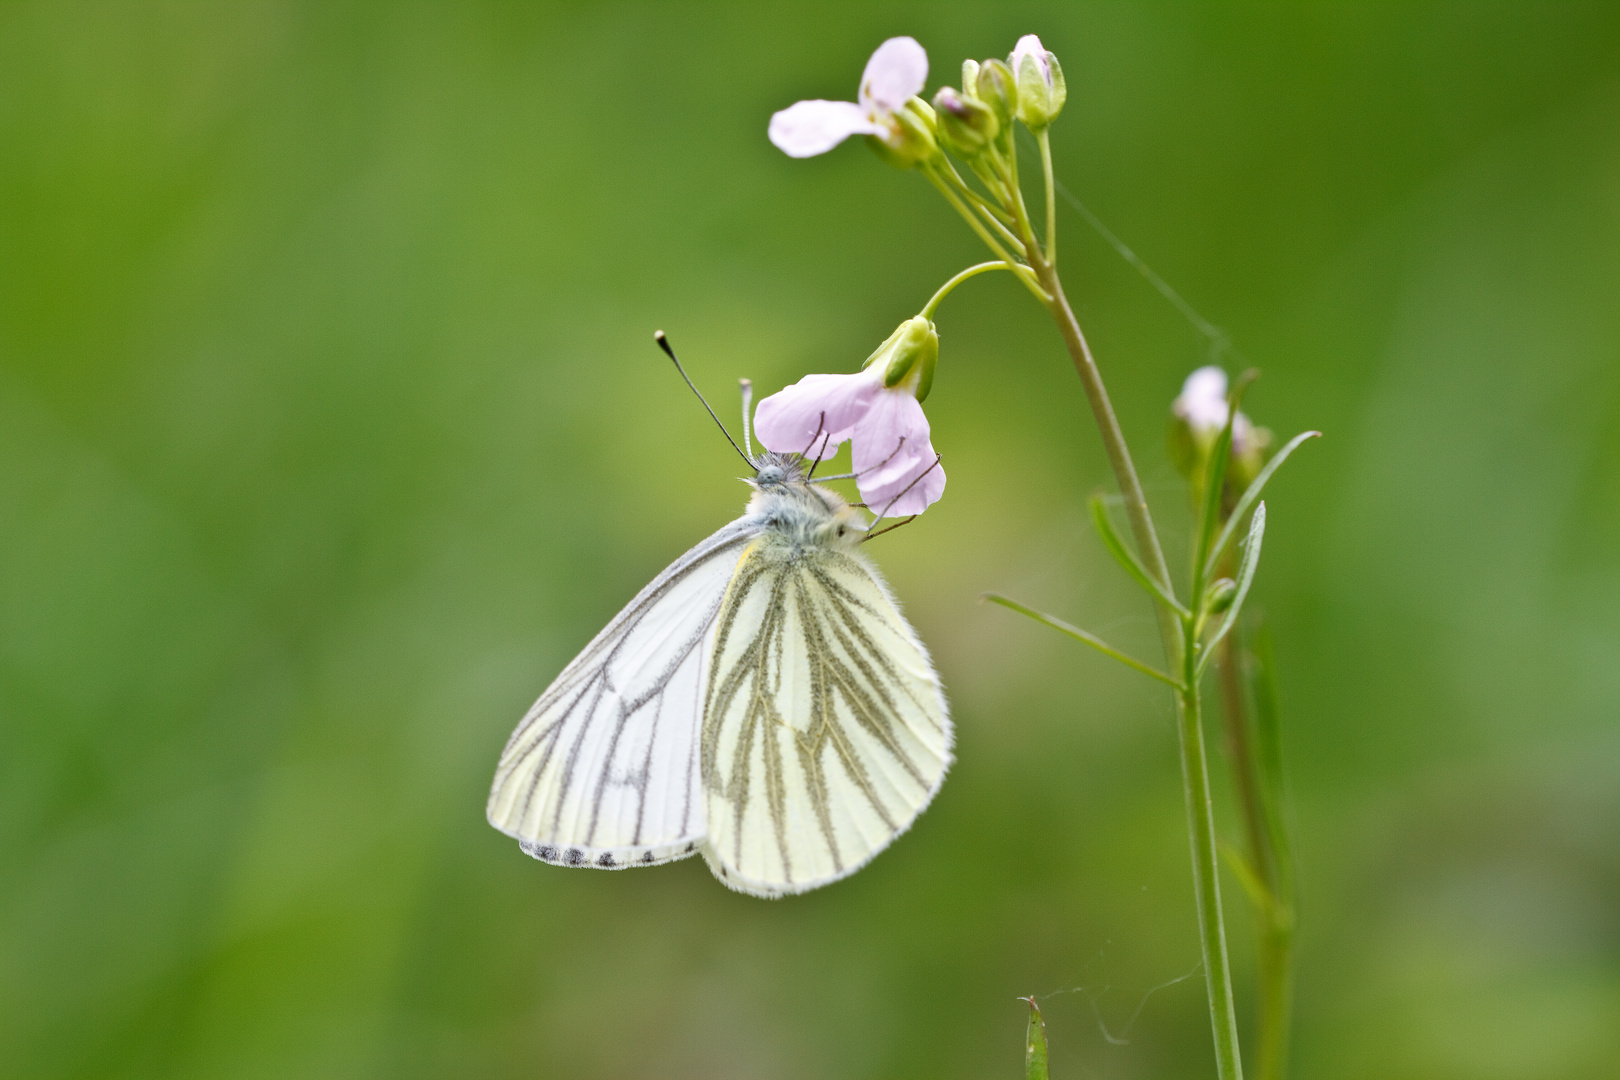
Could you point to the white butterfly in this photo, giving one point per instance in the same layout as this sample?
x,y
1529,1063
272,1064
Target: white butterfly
x,y
762,702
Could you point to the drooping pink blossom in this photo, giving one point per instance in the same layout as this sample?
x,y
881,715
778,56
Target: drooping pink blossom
x,y
895,465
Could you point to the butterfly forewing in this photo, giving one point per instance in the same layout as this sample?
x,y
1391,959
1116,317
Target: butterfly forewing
x,y
604,769
824,730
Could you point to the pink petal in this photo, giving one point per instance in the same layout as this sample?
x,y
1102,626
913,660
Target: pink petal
x,y
1030,45
895,74
894,458
912,493
808,128
818,409
1202,402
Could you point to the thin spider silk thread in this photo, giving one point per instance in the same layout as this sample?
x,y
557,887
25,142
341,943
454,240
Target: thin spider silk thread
x,y
1120,1039
1220,342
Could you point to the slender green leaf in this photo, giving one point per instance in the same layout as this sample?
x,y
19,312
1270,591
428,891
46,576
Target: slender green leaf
x,y
1215,484
1034,1043
1245,578
1080,635
1249,496
1133,567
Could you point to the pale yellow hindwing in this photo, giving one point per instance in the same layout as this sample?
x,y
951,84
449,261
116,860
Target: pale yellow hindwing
x,y
825,732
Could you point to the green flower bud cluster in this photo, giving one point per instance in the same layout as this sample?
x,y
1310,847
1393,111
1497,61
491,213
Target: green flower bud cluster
x,y
1028,87
908,356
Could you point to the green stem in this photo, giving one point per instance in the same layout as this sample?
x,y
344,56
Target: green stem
x,y
1119,455
1179,634
1050,253
998,220
1206,879
1180,641
945,290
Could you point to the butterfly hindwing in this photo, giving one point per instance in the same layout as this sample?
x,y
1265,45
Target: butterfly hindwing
x,y
825,732
603,770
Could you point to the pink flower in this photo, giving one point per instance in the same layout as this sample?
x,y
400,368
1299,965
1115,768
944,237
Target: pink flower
x,y
1202,407
893,76
894,459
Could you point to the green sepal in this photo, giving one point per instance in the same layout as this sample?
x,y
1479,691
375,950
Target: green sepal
x,y
925,372
914,344
1060,88
883,349
1040,100
966,124
912,140
996,86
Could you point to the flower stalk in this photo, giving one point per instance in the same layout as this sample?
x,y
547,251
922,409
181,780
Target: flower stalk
x,y
1181,646
945,290
1179,631
976,124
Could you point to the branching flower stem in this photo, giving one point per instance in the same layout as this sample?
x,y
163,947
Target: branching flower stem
x,y
1179,629
995,217
1025,273
1181,649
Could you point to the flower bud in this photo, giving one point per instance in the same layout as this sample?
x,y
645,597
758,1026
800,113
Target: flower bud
x,y
1041,90
1221,593
970,76
910,138
1197,418
966,126
909,355
997,88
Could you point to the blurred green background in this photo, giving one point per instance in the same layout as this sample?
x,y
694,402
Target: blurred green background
x,y
331,426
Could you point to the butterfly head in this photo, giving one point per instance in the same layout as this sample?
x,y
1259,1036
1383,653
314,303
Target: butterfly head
x,y
776,471
805,513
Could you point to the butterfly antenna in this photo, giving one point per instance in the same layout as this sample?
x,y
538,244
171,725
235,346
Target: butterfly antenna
x,y
820,454
888,528
663,343
820,426
747,388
